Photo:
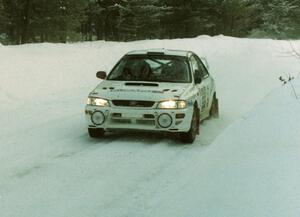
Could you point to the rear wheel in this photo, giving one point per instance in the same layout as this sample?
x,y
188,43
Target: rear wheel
x,y
214,109
190,136
96,132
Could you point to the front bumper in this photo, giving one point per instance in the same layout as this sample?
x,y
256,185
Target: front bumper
x,y
145,119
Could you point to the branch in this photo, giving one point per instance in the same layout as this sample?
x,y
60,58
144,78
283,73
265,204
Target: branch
x,y
291,52
295,53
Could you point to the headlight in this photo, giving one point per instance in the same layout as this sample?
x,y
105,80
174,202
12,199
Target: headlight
x,y
172,104
97,102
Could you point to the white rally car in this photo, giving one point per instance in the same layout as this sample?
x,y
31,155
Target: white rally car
x,y
153,90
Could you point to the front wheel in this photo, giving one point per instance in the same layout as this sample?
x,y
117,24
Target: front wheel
x,y
190,136
96,132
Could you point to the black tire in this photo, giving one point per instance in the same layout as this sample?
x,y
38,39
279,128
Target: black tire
x,y
190,136
96,132
214,109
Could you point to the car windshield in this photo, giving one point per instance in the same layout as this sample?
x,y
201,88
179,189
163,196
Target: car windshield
x,y
152,68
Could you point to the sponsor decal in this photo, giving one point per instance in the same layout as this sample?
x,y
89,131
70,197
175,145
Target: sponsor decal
x,y
136,90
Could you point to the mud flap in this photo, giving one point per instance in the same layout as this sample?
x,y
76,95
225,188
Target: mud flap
x,y
198,120
215,110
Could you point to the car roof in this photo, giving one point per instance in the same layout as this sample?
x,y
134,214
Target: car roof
x,y
162,51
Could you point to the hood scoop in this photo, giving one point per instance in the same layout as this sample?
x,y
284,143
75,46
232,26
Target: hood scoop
x,y
142,84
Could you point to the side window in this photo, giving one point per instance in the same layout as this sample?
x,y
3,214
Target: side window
x,y
203,70
196,67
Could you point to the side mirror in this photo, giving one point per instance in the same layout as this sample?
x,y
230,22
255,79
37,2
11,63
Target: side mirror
x,y
198,78
101,74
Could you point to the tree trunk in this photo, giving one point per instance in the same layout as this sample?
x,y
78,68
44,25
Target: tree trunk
x,y
106,28
26,22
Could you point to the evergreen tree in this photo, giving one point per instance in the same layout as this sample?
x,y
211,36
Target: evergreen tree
x,y
141,19
3,17
108,15
39,20
281,18
236,17
57,20
23,21
179,21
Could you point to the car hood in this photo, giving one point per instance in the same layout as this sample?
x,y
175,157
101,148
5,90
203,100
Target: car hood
x,y
148,91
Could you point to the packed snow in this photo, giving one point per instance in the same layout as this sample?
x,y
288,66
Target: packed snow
x,y
243,164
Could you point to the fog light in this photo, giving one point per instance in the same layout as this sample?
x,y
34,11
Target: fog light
x,y
98,118
116,115
148,116
180,116
164,120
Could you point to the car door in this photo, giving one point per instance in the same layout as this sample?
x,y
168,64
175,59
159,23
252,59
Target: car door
x,y
200,85
207,84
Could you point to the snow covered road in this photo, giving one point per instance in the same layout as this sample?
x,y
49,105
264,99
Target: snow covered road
x,y
50,167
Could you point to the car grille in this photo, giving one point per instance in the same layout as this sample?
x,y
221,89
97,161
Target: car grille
x,y
133,103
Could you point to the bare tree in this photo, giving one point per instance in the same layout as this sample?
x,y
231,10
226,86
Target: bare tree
x,y
294,51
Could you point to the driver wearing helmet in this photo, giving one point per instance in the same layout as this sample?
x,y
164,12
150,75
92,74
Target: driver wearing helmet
x,y
177,70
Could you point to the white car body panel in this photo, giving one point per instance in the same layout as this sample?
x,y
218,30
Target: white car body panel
x,y
119,90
